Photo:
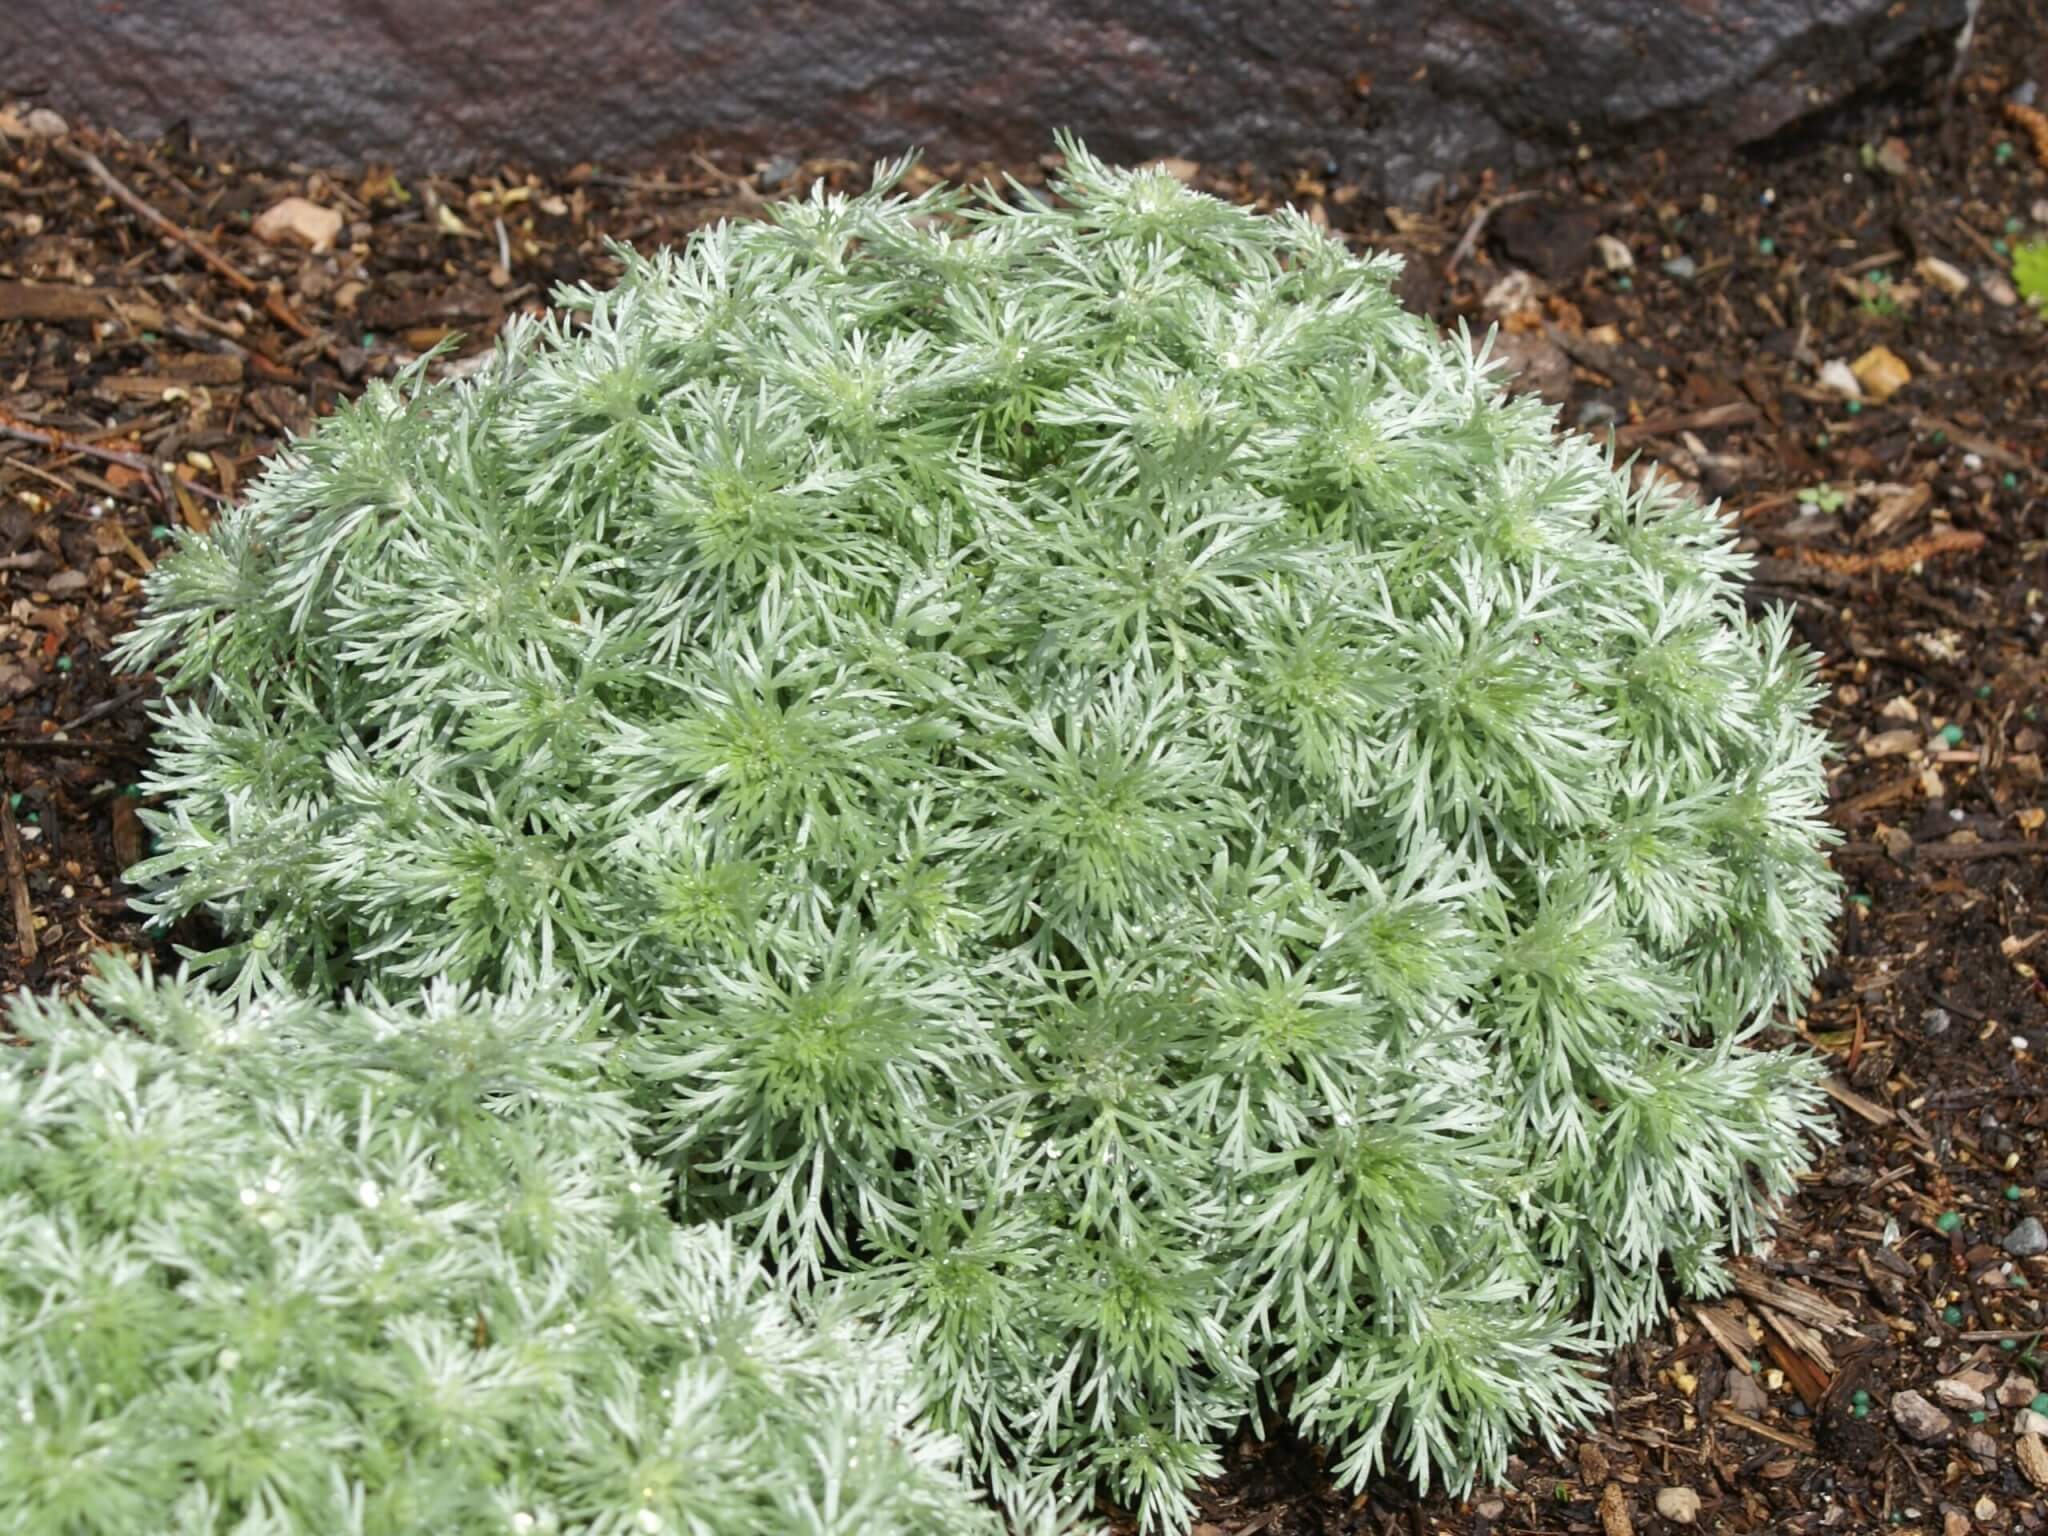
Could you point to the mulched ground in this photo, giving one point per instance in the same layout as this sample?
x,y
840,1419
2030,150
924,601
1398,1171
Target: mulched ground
x,y
1708,315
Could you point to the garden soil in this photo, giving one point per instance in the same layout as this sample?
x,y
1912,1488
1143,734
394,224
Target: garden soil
x,y
1824,335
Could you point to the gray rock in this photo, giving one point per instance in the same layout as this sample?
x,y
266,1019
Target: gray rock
x,y
1406,90
2028,1240
1920,1420
1684,268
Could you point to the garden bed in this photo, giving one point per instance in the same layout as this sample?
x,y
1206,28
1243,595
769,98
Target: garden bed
x,y
1692,309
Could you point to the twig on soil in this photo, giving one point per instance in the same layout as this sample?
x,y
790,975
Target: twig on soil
x,y
1993,1335
1764,1431
1469,241
63,443
646,184
1851,1100
105,707
1950,853
58,742
17,869
1735,413
91,163
59,442
1949,541
1972,442
273,302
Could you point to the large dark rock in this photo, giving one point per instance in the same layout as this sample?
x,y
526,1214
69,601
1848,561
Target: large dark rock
x,y
1394,90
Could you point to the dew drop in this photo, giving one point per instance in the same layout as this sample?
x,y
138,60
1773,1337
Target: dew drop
x,y
369,1194
250,1197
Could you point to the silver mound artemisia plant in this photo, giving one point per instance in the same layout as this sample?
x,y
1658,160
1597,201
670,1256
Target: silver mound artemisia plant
x,y
1132,816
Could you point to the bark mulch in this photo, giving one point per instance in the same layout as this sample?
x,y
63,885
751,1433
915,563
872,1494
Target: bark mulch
x,y
154,348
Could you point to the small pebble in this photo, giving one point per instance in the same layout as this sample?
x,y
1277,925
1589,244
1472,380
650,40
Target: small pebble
x,y
2029,1239
1948,1221
1919,1419
1681,1506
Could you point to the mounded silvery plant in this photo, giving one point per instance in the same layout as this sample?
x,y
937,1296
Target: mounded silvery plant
x,y
1132,816
285,1270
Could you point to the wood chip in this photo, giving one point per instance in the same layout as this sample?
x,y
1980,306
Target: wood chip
x,y
1791,1298
2032,1455
52,301
1728,1333
1614,1520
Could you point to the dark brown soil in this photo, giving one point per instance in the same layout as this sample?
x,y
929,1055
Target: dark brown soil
x,y
141,385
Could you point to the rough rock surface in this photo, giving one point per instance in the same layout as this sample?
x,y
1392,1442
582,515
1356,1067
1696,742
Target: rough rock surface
x,y
1396,91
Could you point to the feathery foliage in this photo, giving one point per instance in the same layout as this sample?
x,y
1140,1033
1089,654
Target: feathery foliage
x,y
285,1269
1131,813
